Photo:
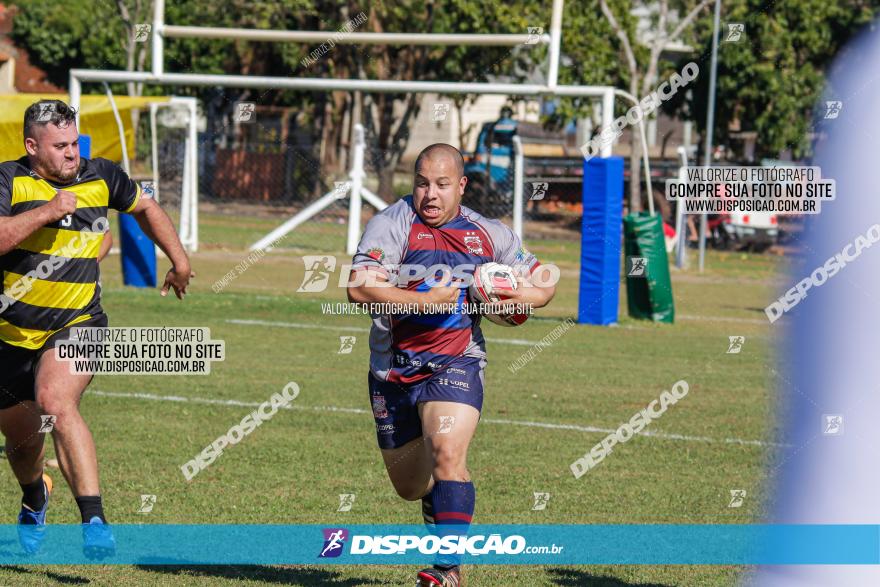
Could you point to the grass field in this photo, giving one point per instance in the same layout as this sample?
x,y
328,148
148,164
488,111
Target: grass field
x,y
292,468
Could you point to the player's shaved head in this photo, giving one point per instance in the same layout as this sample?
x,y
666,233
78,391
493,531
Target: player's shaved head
x,y
440,151
439,184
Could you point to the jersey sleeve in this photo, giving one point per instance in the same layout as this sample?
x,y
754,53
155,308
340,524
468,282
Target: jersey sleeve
x,y
509,249
125,193
5,193
381,246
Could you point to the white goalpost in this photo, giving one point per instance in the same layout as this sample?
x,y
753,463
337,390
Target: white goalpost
x,y
188,229
354,189
189,195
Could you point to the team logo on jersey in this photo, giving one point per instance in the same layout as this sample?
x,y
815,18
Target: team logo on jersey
x,y
380,410
377,254
473,243
334,540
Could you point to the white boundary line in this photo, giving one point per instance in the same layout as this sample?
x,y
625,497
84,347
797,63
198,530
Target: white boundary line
x,y
528,424
516,341
723,319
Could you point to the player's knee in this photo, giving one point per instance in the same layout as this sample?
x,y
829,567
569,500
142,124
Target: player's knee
x,y
62,409
449,461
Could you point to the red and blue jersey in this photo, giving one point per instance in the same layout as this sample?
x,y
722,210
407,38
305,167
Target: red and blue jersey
x,y
406,348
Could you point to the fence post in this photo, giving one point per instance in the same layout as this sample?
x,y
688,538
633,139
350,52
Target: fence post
x,y
357,180
517,186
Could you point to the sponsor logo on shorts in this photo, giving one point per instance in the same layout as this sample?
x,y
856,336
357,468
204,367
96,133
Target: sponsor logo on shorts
x,y
380,410
454,383
403,360
456,371
385,428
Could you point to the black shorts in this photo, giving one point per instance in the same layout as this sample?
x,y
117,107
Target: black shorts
x,y
18,365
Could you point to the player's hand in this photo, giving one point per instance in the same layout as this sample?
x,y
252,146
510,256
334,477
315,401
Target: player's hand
x,y
525,294
177,278
61,204
445,291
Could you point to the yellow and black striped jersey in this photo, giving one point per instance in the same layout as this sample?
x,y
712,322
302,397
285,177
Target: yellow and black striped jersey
x,y
50,281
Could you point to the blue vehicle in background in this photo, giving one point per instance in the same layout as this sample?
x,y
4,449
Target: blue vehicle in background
x,y
548,159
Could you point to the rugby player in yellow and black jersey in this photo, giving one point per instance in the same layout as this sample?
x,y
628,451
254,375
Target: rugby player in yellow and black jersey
x,y
53,216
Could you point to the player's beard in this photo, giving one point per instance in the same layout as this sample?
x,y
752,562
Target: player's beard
x,y
64,173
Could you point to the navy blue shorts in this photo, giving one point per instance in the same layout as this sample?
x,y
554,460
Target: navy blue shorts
x,y
396,406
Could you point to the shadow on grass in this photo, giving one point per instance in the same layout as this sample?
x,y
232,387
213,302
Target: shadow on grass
x,y
575,577
58,578
267,574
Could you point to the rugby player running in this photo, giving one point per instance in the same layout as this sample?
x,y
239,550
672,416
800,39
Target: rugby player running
x,y
426,369
53,213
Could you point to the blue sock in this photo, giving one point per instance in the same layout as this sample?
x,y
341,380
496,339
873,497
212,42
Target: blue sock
x,y
448,510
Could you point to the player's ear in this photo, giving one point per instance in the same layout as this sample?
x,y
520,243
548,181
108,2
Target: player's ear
x,y
461,185
30,145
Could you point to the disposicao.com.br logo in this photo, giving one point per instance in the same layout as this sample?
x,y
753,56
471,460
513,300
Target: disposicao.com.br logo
x,y
413,544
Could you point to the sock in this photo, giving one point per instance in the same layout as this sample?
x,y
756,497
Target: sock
x,y
89,507
453,507
428,517
428,510
33,495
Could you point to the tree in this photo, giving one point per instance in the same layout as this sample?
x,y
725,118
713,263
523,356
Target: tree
x,y
388,117
643,63
770,81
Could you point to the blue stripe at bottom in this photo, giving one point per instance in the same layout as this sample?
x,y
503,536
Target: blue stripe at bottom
x,y
487,544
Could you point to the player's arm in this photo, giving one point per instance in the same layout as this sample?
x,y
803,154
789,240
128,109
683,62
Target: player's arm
x,y
374,288
537,295
158,227
382,246
126,196
106,245
15,229
537,283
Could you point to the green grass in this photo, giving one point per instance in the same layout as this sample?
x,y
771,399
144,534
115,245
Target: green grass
x,y
292,468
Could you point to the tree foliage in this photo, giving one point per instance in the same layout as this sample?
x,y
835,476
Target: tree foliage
x,y
769,82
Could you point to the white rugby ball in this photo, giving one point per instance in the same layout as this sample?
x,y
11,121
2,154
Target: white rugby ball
x,y
491,280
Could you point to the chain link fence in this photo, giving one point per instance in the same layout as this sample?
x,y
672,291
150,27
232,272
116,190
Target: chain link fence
x,y
267,168
270,168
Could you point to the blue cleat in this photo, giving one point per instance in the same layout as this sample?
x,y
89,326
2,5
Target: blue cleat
x,y
98,541
32,524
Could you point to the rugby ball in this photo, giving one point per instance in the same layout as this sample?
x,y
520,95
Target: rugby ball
x,y
491,280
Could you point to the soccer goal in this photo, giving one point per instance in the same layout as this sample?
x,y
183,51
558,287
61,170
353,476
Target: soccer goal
x,y
354,192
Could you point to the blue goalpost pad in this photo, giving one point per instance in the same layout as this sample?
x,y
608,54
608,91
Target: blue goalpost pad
x,y
138,251
601,224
